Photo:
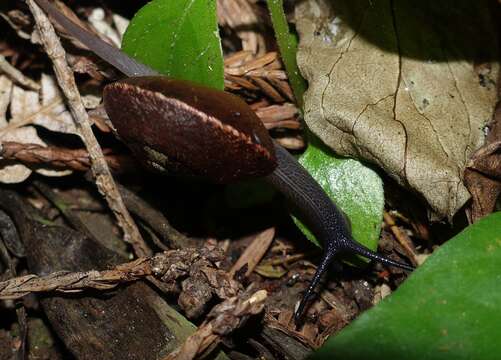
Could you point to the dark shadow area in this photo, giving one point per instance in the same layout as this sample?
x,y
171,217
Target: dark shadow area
x,y
430,30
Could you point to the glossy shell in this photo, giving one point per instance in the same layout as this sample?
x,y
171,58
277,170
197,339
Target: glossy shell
x,y
178,126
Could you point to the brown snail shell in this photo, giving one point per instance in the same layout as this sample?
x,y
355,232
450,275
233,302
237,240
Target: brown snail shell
x,y
187,129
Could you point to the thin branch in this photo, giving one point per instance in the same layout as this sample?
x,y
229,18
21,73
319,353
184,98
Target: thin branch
x,y
64,281
100,170
61,158
16,75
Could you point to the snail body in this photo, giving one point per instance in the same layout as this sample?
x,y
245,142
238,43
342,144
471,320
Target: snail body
x,y
181,127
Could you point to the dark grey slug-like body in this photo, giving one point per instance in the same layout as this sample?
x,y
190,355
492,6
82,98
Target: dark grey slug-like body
x,y
321,215
289,177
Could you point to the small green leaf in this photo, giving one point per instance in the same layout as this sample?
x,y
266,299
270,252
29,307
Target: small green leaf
x,y
447,309
356,190
180,39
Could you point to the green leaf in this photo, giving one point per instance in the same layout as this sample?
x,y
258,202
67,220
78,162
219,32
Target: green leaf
x,y
180,39
287,43
447,309
355,188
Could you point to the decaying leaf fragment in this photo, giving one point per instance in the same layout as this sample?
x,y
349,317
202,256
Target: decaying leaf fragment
x,y
483,172
196,277
407,85
27,109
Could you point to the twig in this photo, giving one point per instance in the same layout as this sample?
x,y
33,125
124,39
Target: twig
x,y
100,170
16,75
157,265
60,158
64,281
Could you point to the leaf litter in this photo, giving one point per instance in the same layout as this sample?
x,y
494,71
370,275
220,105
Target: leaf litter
x,y
330,318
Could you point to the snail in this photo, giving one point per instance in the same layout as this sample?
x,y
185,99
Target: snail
x,y
182,127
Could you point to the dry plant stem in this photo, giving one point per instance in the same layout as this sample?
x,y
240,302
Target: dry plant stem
x,y
100,170
74,282
16,75
60,158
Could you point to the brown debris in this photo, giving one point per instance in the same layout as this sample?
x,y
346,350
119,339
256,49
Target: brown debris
x,y
255,76
292,143
195,275
223,319
483,175
195,269
240,16
244,71
273,323
63,281
279,116
401,237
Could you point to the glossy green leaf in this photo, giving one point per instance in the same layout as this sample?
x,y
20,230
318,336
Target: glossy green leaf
x,y
355,188
447,309
180,39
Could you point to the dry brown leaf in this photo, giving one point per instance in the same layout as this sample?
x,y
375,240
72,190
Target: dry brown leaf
x,y
270,271
395,83
483,178
60,118
25,108
26,103
483,172
254,252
